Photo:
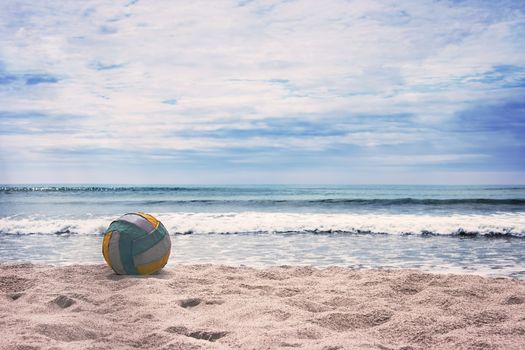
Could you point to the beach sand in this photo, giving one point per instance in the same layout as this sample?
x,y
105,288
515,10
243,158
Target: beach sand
x,y
222,307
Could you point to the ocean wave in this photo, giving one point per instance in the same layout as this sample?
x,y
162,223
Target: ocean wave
x,y
314,202
417,201
504,224
271,188
9,189
358,201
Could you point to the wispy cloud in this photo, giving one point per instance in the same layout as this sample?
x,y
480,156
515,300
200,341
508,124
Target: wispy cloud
x,y
102,66
263,87
27,79
40,79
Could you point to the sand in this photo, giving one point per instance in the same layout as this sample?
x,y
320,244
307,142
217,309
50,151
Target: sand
x,y
222,307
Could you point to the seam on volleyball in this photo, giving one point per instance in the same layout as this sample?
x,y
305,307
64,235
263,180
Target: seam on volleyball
x,y
163,233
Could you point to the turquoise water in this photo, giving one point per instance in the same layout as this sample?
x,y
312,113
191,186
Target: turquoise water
x,y
476,229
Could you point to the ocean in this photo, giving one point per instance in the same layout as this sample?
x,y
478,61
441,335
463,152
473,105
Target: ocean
x,y
459,229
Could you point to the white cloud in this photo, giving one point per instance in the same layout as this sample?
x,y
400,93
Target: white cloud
x,y
232,66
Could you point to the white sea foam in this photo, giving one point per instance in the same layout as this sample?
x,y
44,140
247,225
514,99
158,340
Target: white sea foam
x,y
262,222
53,225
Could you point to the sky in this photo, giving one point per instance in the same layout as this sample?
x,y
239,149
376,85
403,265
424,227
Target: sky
x,y
239,92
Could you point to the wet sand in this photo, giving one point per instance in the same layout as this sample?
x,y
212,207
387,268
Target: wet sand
x,y
289,307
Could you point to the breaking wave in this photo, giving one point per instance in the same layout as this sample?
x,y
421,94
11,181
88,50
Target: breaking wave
x,y
500,224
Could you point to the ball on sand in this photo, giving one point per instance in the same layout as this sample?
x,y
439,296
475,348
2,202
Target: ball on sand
x,y
136,244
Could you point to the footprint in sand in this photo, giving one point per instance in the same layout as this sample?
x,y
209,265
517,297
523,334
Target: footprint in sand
x,y
288,292
192,302
15,296
198,334
62,301
513,300
189,303
290,345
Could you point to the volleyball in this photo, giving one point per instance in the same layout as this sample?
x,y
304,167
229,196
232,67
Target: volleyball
x,y
136,244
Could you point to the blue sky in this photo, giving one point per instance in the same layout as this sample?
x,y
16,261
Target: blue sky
x,y
262,92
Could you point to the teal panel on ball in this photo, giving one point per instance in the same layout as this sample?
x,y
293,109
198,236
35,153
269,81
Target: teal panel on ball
x,y
127,229
126,255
